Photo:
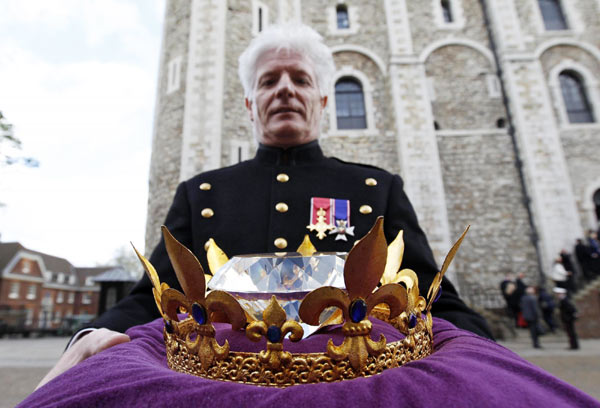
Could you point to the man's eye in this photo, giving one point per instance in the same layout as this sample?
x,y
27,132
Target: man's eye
x,y
302,81
267,82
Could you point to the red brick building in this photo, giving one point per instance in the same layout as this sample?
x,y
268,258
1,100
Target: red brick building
x,y
43,289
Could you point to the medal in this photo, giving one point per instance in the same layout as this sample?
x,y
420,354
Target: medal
x,y
320,216
330,215
342,220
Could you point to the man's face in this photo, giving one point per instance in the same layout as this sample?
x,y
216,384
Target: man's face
x,y
287,105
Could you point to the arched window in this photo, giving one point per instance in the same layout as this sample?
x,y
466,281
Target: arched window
x,y
350,104
552,13
576,103
447,11
342,16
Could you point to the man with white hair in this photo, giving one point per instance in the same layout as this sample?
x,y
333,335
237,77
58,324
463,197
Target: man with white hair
x,y
265,204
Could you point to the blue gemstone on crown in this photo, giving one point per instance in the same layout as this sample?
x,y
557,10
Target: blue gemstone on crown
x,y
412,321
274,334
169,326
358,310
199,313
438,294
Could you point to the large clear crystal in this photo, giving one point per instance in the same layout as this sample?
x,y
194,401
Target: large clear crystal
x,y
253,279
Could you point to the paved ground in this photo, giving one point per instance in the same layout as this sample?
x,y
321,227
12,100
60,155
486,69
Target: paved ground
x,y
23,362
580,368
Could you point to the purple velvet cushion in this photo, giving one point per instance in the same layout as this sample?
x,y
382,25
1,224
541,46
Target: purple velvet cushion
x,y
465,370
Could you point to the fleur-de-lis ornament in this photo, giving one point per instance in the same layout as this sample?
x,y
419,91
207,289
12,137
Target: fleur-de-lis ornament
x,y
201,307
408,320
363,269
274,327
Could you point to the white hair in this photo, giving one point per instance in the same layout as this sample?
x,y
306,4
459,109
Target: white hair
x,y
298,38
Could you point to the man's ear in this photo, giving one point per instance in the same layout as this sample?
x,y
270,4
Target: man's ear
x,y
324,101
249,107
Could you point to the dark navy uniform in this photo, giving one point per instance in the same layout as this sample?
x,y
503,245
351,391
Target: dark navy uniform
x,y
263,205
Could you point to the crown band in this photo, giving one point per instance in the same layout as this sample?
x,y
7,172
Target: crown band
x,y
303,368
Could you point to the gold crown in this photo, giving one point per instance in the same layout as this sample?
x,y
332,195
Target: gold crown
x,y
192,348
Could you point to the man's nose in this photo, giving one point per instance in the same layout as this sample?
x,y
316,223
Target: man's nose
x,y
285,87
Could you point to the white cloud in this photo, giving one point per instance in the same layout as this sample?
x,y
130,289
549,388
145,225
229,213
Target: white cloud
x,y
88,121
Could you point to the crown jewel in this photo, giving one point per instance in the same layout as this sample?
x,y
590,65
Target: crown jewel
x,y
192,347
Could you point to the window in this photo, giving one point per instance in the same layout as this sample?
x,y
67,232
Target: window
x,y
60,297
71,298
29,317
111,297
173,74
61,277
238,151
14,290
576,102
42,319
57,317
26,268
260,17
31,292
72,280
552,14
446,11
87,299
89,281
343,22
350,104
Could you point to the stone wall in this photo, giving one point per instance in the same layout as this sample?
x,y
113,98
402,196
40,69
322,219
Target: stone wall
x,y
587,302
462,100
168,122
483,190
427,28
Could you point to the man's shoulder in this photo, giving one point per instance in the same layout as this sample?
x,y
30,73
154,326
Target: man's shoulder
x,y
216,174
367,168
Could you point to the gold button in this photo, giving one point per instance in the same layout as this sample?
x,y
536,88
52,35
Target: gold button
x,y
281,207
205,186
371,182
207,213
365,209
281,243
282,177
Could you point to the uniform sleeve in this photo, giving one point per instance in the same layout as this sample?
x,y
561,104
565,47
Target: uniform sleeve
x,y
418,256
139,307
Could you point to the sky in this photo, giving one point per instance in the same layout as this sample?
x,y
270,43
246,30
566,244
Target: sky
x,y
78,82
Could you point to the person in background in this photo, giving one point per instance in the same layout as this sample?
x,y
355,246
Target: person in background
x,y
559,274
512,291
594,248
568,315
547,305
584,257
529,309
565,257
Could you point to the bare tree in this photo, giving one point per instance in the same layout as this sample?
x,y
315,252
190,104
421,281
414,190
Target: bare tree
x,y
8,141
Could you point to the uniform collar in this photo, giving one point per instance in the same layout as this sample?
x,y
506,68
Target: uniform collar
x,y
306,153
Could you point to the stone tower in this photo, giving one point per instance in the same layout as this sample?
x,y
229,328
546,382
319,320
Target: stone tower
x,y
468,100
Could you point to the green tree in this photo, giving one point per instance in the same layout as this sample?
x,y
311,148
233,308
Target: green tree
x,y
8,141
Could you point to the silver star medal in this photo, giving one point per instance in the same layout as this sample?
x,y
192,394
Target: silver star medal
x,y
341,229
